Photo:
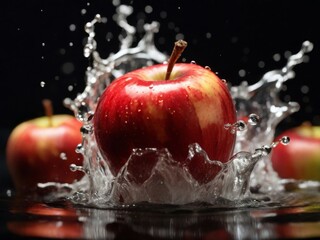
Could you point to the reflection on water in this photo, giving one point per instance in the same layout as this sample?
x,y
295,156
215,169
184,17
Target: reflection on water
x,y
61,220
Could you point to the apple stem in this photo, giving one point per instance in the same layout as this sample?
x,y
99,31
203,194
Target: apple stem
x,y
47,104
179,47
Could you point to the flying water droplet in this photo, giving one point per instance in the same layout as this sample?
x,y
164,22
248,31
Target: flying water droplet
x,y
285,140
237,126
74,168
254,119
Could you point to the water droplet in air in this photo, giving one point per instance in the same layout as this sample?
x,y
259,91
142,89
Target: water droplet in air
x,y
241,125
277,57
163,15
285,140
242,72
72,27
238,126
307,46
148,9
73,167
9,193
254,119
42,83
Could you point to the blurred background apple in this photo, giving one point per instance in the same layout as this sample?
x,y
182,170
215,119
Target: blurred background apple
x,y
300,159
41,150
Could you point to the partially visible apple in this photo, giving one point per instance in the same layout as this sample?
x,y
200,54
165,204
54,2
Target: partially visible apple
x,y
166,106
41,150
301,158
45,222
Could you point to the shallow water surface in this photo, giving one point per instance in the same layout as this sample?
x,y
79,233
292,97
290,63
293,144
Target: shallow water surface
x,y
29,219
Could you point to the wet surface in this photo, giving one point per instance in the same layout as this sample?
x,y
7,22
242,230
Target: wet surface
x,y
28,219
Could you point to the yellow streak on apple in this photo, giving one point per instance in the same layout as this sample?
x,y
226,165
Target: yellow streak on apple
x,y
157,117
210,113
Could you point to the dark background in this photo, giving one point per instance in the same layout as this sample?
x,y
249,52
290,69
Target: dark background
x,y
42,41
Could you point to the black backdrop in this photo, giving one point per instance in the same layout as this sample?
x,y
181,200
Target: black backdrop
x,y
42,41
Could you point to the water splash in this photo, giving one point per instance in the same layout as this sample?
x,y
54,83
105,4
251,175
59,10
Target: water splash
x,y
248,174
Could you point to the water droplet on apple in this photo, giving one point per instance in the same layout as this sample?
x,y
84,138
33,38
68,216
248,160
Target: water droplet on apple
x,y
193,62
224,81
63,156
151,86
207,67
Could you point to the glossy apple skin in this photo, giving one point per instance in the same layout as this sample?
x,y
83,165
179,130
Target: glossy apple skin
x,y
300,159
142,110
34,150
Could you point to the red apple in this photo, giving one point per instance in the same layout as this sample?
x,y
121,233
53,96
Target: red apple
x,y
146,108
300,159
42,149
